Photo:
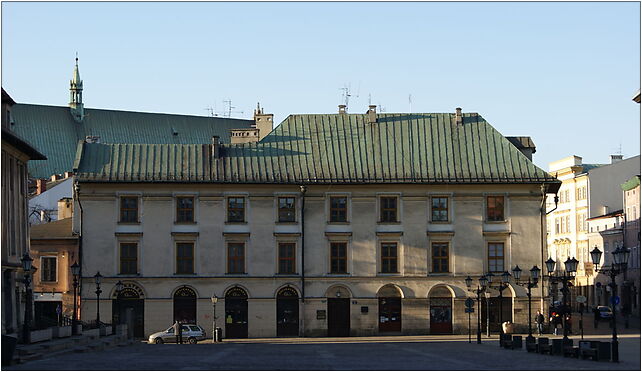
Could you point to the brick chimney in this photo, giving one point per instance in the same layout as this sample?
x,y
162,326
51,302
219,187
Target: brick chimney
x,y
41,186
68,174
216,144
56,177
616,158
342,109
65,208
372,114
458,116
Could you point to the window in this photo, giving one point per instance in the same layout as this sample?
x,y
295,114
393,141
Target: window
x,y
389,257
388,209
557,225
495,208
129,209
440,257
439,209
286,258
338,258
128,258
496,257
48,269
568,224
236,258
184,258
236,209
338,209
185,209
287,212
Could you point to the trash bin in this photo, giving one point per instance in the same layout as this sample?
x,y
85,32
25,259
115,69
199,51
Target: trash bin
x,y
218,334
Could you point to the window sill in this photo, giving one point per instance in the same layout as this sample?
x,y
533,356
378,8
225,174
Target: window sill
x,y
338,275
185,274
236,274
441,222
286,274
185,223
338,222
236,223
389,274
128,223
440,274
388,222
286,223
129,275
497,222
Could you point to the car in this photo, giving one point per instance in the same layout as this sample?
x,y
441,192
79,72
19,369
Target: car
x,y
192,333
605,312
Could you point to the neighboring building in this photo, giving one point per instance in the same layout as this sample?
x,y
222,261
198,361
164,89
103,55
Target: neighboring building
x,y
43,203
16,153
631,282
587,191
333,224
56,130
605,232
54,248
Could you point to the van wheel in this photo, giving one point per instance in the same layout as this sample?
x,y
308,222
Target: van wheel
x,y
158,340
191,340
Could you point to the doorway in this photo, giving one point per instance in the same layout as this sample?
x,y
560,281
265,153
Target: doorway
x,y
494,306
441,311
338,317
129,301
287,313
185,305
236,313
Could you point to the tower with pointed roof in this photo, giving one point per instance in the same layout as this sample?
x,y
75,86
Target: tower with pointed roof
x,y
75,90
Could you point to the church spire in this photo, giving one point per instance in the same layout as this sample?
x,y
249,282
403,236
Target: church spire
x,y
75,91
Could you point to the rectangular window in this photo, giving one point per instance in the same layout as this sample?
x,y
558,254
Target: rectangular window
x,y
235,258
286,258
48,269
496,257
236,209
440,257
495,208
185,209
439,209
129,209
389,257
128,258
338,258
287,211
568,224
388,208
338,209
184,258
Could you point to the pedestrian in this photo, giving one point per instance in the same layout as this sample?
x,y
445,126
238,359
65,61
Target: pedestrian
x,y
556,321
539,319
177,329
568,322
180,333
596,319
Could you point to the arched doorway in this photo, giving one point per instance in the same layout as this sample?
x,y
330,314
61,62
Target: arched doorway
x,y
441,311
338,299
287,312
129,308
236,313
389,309
185,305
491,309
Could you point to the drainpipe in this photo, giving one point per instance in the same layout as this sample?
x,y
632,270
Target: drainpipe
x,y
543,215
303,190
76,190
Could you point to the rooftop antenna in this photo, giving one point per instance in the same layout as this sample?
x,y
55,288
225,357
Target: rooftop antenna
x,y
369,99
410,101
381,108
210,111
228,113
345,96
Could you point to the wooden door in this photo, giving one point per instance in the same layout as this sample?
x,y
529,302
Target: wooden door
x,y
441,315
338,317
236,313
390,314
287,317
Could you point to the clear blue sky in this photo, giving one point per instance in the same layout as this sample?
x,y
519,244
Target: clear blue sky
x,y
562,73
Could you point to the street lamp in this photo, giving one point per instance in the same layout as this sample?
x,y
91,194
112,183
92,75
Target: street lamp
x,y
481,288
97,279
531,283
26,326
570,267
619,265
119,288
214,301
75,271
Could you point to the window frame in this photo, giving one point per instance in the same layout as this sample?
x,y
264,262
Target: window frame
x,y
122,209
331,209
120,257
293,209
432,209
229,210
488,208
229,258
383,209
43,272
177,259
383,268
291,259
441,258
496,258
179,209
337,257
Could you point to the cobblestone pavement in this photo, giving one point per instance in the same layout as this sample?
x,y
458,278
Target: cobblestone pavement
x,y
363,353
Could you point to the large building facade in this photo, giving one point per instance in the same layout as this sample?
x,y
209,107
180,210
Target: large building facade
x,y
332,225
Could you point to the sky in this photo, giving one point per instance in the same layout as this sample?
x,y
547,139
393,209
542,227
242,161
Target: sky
x,y
562,73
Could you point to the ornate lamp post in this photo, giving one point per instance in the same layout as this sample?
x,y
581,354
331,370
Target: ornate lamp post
x,y
619,265
481,288
97,279
26,326
119,288
489,281
75,271
531,283
214,301
570,266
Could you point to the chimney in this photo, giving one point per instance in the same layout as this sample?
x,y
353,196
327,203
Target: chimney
x,y
65,208
69,174
92,139
216,143
605,209
616,158
41,186
458,117
372,114
342,109
56,177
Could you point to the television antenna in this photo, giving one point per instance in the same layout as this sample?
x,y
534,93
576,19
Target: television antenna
x,y
346,94
229,110
210,111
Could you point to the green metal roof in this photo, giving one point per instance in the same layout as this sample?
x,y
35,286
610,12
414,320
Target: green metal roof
x,y
631,184
52,130
330,148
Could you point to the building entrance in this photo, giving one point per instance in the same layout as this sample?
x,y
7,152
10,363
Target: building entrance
x,y
129,308
185,305
287,313
236,313
441,311
338,317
